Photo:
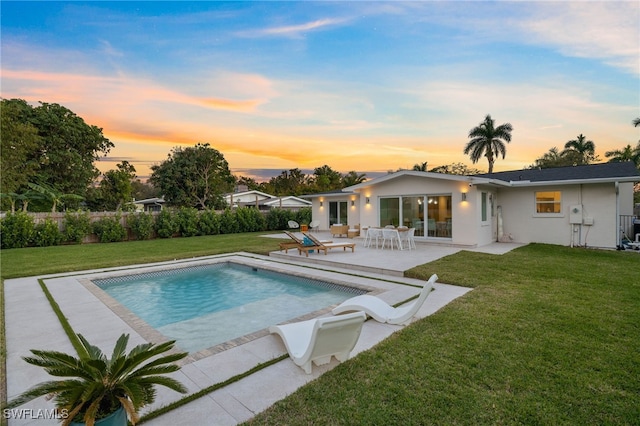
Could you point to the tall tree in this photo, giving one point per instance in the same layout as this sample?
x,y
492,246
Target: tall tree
x,y
460,169
488,140
327,179
636,122
288,182
584,148
626,154
249,182
116,186
353,178
193,177
18,144
420,167
68,149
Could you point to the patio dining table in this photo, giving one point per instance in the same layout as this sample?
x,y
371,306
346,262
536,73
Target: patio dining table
x,y
377,233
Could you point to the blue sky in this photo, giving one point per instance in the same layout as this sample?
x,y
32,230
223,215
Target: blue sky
x,y
365,86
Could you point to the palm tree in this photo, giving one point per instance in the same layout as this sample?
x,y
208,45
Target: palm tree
x,y
353,178
420,167
98,386
585,148
552,158
488,140
625,154
636,122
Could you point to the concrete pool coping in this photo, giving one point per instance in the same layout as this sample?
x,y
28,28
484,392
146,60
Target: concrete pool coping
x,y
31,323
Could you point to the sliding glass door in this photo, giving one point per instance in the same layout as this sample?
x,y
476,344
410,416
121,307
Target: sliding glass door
x,y
338,212
390,211
439,222
409,211
413,214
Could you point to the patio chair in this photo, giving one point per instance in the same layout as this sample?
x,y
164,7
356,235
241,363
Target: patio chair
x,y
407,238
392,236
431,227
295,242
383,312
314,225
319,245
372,234
317,340
292,224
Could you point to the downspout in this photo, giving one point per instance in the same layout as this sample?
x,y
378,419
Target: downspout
x,y
582,220
618,227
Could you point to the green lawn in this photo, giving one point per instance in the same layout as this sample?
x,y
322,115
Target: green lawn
x,y
46,260
550,335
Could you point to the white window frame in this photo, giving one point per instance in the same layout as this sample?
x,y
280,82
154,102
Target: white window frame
x,y
536,203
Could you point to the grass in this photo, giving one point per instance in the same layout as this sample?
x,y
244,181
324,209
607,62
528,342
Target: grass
x,y
48,260
550,335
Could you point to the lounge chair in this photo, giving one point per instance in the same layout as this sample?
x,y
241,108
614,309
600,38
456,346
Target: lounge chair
x,y
319,339
295,242
381,311
322,246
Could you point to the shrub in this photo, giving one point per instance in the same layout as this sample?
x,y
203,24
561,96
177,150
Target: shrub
x,y
277,219
228,222
209,223
249,219
141,225
47,234
77,225
187,221
165,225
16,230
109,230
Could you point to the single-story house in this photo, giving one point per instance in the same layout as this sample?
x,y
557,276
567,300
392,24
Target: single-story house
x,y
580,205
264,201
149,204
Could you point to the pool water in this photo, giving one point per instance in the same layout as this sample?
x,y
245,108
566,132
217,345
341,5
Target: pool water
x,y
206,305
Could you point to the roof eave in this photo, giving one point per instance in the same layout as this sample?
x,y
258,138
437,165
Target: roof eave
x,y
574,181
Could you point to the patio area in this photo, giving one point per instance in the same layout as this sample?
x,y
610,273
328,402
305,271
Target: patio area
x,y
31,323
383,261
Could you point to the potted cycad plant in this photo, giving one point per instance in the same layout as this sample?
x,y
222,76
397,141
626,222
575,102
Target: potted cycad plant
x,y
101,391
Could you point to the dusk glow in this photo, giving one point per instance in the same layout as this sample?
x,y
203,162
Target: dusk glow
x,y
365,86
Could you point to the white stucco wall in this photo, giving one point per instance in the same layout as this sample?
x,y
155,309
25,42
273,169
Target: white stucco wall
x,y
464,227
526,226
517,204
321,213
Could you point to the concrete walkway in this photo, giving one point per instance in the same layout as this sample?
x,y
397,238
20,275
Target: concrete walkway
x,y
32,324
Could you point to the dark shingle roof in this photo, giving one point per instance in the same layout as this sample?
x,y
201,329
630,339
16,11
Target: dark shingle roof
x,y
624,169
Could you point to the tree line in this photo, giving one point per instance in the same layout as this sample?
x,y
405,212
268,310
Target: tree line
x,y
48,156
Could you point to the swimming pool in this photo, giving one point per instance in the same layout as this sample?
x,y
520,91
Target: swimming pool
x,y
206,305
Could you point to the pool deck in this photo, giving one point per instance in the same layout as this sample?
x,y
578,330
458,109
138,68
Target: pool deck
x,y
32,324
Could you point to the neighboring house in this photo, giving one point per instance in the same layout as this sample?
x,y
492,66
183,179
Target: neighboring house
x,y
149,205
264,201
579,205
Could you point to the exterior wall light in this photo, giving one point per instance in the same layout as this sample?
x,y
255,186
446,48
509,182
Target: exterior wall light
x,y
320,203
353,203
367,200
464,196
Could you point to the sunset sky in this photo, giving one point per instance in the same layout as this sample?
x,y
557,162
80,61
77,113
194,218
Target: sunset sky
x,y
365,86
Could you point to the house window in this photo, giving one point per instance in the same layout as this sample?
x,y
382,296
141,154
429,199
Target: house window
x,y
548,202
483,210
